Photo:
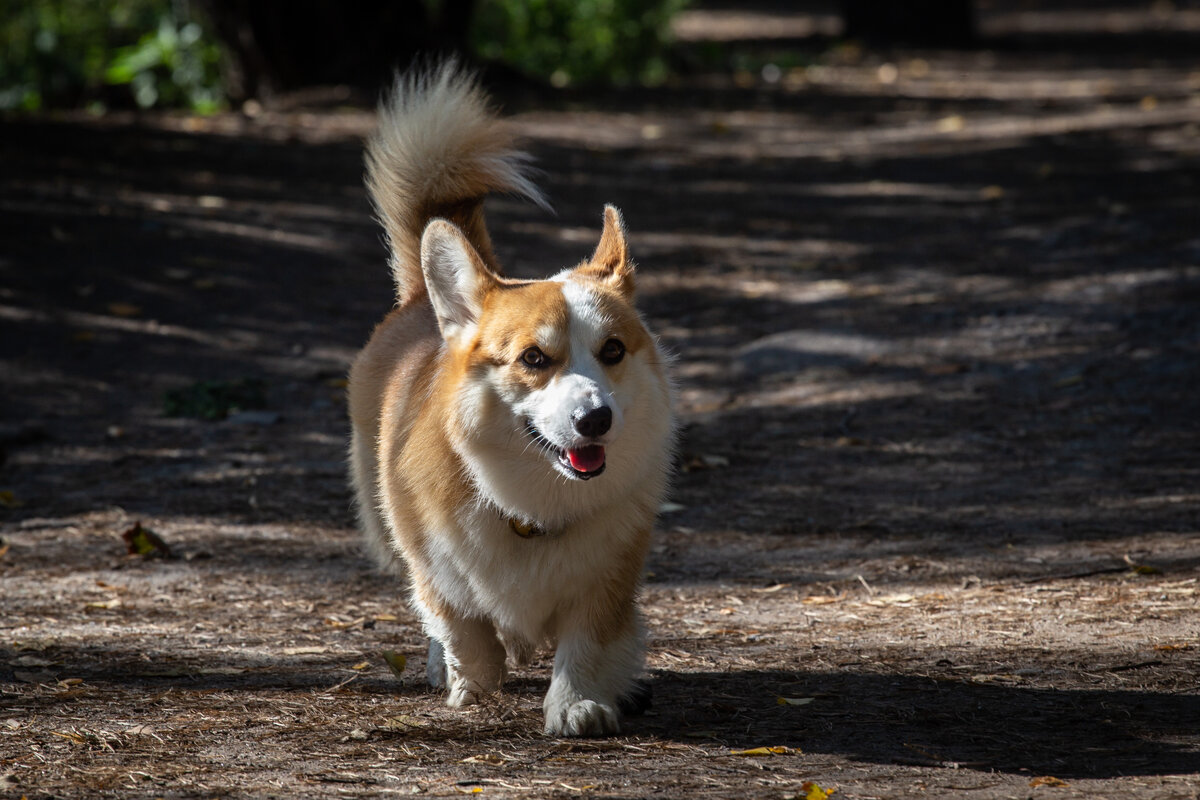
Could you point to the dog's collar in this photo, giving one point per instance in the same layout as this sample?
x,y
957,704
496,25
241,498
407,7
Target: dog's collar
x,y
526,530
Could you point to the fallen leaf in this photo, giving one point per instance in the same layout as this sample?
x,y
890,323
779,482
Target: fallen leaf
x,y
485,758
820,599
1141,569
396,662
4,545
143,730
759,752
794,701
386,618
813,791
403,722
145,543
703,461
1048,780
951,124
892,599
991,192
361,665
124,309
8,499
310,650
112,602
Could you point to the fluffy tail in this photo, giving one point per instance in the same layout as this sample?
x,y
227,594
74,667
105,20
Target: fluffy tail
x,y
439,149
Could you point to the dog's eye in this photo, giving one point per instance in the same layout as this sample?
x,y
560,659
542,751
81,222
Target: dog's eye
x,y
612,351
535,358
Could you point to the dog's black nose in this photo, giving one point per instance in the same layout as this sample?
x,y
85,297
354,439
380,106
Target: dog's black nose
x,y
594,423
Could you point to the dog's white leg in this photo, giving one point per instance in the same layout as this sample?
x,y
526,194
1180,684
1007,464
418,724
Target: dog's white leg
x,y
465,657
591,673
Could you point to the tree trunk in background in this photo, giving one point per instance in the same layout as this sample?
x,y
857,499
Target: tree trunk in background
x,y
937,23
277,46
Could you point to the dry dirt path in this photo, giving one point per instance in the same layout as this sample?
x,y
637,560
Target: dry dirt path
x,y
936,528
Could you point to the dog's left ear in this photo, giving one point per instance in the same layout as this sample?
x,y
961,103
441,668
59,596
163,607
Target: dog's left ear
x,y
610,263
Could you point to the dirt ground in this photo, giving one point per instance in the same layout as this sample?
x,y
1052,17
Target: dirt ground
x,y
936,530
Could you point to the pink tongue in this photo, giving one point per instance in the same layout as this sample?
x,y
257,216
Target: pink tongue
x,y
587,459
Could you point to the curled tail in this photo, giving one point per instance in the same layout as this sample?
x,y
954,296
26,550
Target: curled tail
x,y
439,149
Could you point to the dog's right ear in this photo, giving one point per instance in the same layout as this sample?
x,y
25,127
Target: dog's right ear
x,y
455,276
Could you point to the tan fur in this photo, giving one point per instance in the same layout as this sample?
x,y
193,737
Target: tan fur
x,y
442,457
430,160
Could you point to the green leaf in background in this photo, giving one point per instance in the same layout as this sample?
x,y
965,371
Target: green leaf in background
x,y
84,53
578,41
214,400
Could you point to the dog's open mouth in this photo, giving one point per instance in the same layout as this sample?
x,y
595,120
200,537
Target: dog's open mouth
x,y
583,462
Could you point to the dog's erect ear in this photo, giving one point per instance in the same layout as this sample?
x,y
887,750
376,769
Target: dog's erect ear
x,y
455,276
610,263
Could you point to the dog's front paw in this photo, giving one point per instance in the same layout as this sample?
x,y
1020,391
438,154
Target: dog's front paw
x,y
583,718
463,690
463,695
466,690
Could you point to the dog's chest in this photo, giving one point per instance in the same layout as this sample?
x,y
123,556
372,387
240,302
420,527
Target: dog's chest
x,y
522,578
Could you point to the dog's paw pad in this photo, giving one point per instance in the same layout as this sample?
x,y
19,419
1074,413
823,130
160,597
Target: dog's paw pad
x,y
585,718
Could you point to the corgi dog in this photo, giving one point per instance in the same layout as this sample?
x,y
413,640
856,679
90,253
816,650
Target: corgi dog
x,y
511,439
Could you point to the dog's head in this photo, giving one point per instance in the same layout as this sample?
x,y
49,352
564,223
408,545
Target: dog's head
x,y
548,374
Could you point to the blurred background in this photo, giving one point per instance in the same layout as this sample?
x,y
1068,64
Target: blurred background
x,y
931,275
209,55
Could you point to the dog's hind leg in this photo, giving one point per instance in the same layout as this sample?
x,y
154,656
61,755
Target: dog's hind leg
x,y
435,665
363,476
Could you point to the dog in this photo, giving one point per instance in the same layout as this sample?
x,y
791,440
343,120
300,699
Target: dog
x,y
511,439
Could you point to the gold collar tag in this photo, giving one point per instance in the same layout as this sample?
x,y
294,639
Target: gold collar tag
x,y
525,530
